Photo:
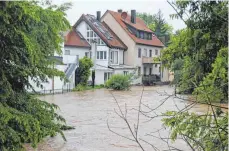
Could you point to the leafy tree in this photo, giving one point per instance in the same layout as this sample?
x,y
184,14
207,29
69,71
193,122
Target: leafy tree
x,y
200,132
199,44
29,36
83,71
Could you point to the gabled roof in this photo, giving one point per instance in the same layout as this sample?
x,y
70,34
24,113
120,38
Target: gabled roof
x,y
75,39
103,31
139,25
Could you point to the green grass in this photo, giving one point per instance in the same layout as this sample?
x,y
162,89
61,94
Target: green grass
x,y
80,87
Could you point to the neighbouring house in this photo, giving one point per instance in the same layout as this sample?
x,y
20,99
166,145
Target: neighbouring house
x,y
117,43
75,48
52,85
100,44
143,47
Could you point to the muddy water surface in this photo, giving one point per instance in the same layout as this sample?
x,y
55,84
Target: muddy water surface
x,y
90,111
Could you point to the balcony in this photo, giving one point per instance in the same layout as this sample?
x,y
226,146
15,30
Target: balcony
x,y
150,79
150,60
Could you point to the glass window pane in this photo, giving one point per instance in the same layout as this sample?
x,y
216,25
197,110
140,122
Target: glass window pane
x,y
67,52
105,77
116,57
91,33
101,54
139,52
88,34
105,55
150,53
97,54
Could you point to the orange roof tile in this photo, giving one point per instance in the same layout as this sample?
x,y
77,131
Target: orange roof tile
x,y
140,25
73,39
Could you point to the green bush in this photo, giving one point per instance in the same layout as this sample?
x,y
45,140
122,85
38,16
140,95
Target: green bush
x,y
118,82
83,71
81,87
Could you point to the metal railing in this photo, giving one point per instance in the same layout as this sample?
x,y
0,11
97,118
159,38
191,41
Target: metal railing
x,y
71,67
150,79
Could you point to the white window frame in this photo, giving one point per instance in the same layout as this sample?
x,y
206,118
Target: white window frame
x,y
107,76
125,72
156,52
94,37
113,58
98,55
145,52
65,52
87,54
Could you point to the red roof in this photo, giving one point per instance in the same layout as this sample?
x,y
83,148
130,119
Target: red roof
x,y
113,42
73,38
140,25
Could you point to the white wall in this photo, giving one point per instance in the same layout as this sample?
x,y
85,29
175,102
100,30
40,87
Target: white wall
x,y
74,51
99,77
82,28
122,34
155,70
58,83
105,61
138,61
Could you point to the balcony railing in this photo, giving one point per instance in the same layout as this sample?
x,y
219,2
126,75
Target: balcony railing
x,y
150,60
150,79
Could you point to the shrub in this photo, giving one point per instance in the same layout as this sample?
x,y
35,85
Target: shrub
x,y
79,87
118,82
83,71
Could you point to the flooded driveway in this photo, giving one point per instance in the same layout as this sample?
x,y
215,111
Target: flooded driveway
x,y
90,111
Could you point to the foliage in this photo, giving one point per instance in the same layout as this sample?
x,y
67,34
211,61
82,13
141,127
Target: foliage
x,y
29,35
215,83
83,71
198,46
198,56
118,82
201,132
80,87
158,25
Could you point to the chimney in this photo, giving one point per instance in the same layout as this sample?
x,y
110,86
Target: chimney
x,y
98,15
133,16
120,10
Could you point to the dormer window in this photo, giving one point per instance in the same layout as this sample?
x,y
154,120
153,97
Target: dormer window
x,y
141,35
149,36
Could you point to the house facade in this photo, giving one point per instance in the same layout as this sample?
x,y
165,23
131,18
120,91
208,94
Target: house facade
x,y
106,49
117,43
143,47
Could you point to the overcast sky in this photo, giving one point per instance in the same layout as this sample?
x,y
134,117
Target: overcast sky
x,y
149,6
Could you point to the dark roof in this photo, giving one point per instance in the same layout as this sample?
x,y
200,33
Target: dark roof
x,y
75,39
102,30
139,25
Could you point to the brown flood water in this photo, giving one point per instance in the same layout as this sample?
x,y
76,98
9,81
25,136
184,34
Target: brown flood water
x,y
89,112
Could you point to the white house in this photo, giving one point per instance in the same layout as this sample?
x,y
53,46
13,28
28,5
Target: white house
x,y
106,48
142,45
